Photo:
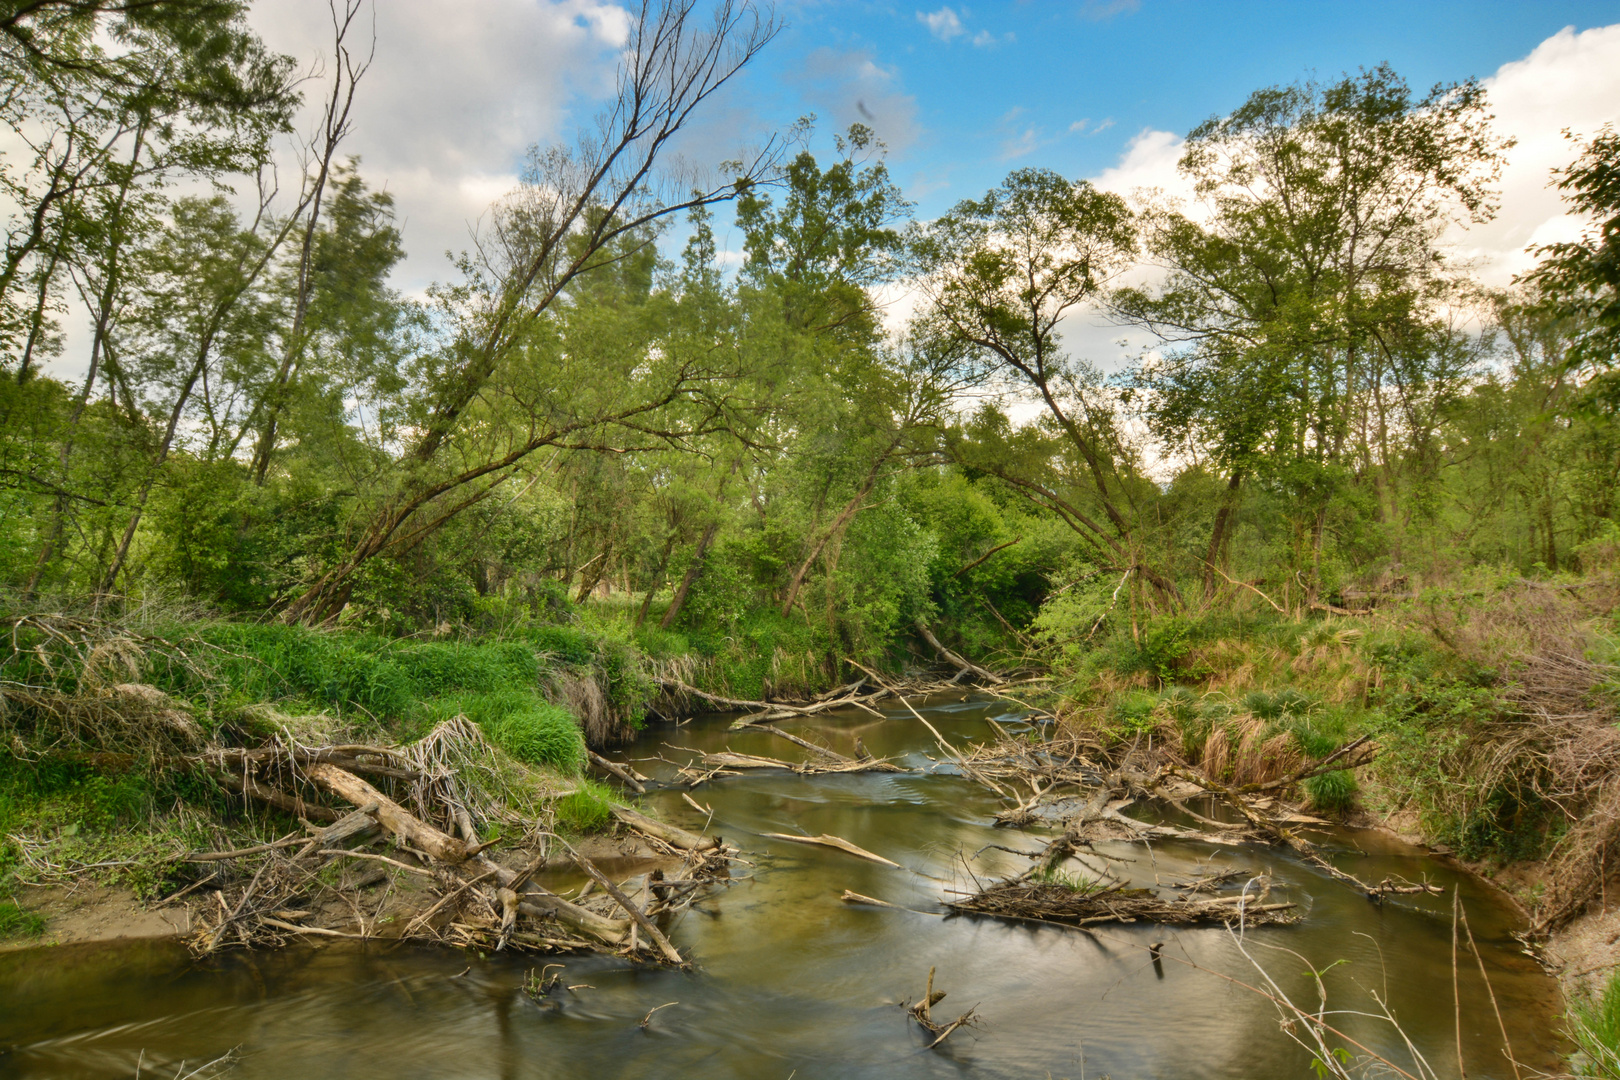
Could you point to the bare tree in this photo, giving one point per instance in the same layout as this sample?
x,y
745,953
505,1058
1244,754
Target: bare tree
x,y
335,126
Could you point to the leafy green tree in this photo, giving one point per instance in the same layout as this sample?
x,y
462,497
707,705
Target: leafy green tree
x,y
1581,279
1305,293
1001,274
573,207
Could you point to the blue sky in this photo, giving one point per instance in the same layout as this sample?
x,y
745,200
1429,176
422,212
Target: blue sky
x,y
973,90
1102,89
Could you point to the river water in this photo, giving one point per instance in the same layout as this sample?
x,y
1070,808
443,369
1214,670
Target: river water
x,y
791,982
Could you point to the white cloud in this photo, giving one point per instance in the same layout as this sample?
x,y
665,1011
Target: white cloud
x,y
1568,81
848,87
449,106
1148,165
944,24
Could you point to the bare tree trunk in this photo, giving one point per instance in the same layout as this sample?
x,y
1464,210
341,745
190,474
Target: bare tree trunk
x,y
103,307
845,516
334,128
1217,538
122,552
587,584
691,575
657,579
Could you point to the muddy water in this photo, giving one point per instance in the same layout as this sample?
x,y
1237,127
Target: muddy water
x,y
792,982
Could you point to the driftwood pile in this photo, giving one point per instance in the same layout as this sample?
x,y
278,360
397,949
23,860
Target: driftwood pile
x,y
444,883
1071,783
1116,903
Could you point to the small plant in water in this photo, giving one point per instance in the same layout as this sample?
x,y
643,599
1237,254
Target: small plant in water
x,y
1055,875
539,985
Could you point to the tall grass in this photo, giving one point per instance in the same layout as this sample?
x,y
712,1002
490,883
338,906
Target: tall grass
x,y
1594,1025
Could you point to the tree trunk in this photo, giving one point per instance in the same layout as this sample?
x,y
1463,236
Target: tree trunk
x,y
395,818
657,579
1217,538
845,516
589,583
691,575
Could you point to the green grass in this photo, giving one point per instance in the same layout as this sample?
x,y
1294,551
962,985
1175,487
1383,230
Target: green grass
x,y
1074,882
586,810
17,922
1594,1025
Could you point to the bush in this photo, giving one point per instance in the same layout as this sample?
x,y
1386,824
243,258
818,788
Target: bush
x,y
1333,792
565,644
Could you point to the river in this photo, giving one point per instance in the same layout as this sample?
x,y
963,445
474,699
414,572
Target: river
x,y
789,981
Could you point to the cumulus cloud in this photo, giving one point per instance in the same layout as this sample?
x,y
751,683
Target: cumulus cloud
x,y
1148,165
450,104
944,24
1570,81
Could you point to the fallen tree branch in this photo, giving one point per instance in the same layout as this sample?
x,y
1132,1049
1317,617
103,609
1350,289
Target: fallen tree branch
x,y
669,834
668,951
838,842
614,769
960,662
410,829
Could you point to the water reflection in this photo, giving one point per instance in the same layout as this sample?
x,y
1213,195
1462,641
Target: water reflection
x,y
791,980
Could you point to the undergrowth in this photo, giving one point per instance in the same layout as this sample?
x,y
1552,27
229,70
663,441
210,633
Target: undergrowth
x,y
1492,701
1594,1026
587,809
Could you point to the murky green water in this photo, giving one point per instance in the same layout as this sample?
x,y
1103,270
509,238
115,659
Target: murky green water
x,y
791,982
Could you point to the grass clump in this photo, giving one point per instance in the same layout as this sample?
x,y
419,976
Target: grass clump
x,y
522,723
18,922
586,810
1594,1025
1067,879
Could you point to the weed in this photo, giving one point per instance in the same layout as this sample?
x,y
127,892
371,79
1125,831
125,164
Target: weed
x,y
1594,1025
1075,882
18,922
587,809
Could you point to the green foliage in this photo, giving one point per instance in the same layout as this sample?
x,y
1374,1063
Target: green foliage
x,y
18,922
1134,713
1594,1024
587,809
1165,643
523,724
1071,880
1332,792
1581,279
